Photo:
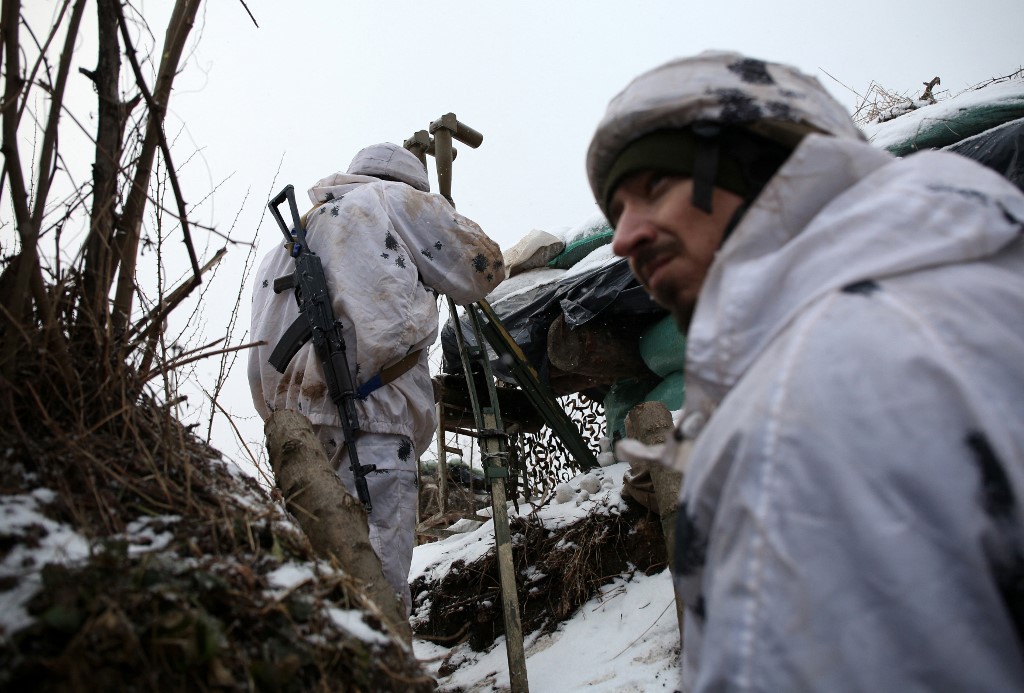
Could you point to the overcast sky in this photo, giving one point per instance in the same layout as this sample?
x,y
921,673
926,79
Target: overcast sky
x,y
318,80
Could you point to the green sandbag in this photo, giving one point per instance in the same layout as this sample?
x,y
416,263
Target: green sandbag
x,y
577,250
933,134
663,347
622,396
669,391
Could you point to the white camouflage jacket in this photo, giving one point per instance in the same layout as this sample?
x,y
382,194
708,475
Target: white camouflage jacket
x,y
851,517
386,249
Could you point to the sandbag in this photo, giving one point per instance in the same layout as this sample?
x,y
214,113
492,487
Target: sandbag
x,y
622,396
1001,149
577,250
950,121
534,250
670,391
609,291
663,347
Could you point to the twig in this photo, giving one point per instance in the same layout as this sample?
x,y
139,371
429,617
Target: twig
x,y
181,362
648,628
179,294
250,13
853,91
241,439
456,638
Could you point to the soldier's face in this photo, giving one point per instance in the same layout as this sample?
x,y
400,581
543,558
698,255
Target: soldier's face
x,y
669,242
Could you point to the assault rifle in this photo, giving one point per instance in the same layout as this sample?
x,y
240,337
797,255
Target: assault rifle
x,y
316,321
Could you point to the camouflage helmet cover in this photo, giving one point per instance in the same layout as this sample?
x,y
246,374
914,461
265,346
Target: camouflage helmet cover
x,y
390,162
773,100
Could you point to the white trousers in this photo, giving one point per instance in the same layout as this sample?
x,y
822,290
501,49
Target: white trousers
x,y
393,490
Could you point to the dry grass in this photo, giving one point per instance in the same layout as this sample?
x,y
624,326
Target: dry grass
x,y
202,613
557,571
879,104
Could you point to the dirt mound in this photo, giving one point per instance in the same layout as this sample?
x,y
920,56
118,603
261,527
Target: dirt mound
x,y
557,571
132,559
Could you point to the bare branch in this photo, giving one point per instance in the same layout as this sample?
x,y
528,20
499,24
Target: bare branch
x,y
179,294
249,12
47,159
164,149
178,27
241,439
99,267
146,377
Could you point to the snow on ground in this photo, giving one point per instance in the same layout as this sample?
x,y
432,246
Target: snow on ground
x,y
624,639
42,541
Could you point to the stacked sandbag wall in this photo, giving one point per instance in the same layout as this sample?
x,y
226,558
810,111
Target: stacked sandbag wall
x,y
663,349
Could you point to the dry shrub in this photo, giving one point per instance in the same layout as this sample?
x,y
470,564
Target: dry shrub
x,y
878,104
198,614
87,395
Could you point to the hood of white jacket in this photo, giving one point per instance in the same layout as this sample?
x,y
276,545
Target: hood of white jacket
x,y
336,185
840,212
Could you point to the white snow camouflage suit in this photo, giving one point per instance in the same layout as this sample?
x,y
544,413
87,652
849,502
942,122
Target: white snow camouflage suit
x,y
852,513
387,249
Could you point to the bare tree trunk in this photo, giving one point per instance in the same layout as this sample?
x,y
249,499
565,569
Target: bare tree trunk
x,y
97,275
14,299
594,350
178,28
28,275
331,517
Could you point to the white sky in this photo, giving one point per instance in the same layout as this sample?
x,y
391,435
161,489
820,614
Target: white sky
x,y
320,79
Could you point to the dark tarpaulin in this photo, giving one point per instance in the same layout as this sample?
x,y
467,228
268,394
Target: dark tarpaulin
x,y
606,291
1001,149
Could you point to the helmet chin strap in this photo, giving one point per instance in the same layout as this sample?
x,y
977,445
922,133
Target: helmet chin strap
x,y
705,172
757,160
705,164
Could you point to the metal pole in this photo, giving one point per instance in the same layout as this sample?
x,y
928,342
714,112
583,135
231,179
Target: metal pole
x,y
494,450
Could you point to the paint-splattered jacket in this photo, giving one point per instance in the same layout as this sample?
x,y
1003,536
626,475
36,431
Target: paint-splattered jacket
x,y
852,516
386,249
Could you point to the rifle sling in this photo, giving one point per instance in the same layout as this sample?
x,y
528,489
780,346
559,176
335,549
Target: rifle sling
x,y
299,332
389,374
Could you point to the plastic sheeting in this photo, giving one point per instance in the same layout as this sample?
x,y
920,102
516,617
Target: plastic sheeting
x,y
1001,149
608,290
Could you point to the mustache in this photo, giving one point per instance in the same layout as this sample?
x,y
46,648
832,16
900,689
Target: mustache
x,y
651,255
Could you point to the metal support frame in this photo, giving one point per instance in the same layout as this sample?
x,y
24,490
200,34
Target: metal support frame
x,y
487,419
494,452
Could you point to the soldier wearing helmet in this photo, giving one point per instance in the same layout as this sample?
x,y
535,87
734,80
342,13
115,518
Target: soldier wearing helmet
x,y
388,247
852,444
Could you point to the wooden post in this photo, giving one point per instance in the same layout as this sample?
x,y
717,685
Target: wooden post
x,y
442,463
650,423
333,519
506,570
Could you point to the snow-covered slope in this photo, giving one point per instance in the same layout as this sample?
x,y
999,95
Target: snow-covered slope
x,y
624,639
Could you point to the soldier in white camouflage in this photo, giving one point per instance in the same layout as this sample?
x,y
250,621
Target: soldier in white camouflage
x,y
388,248
852,438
